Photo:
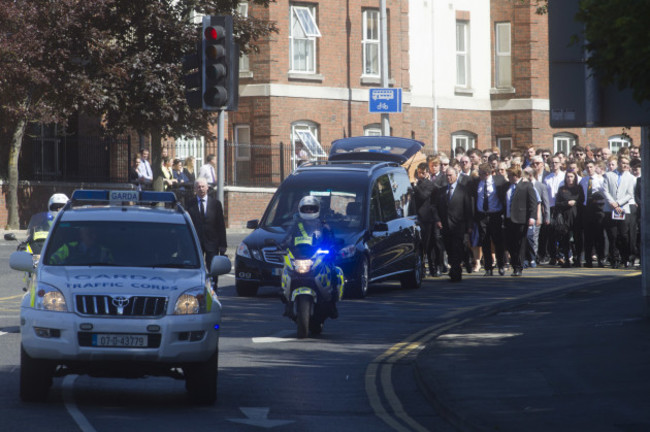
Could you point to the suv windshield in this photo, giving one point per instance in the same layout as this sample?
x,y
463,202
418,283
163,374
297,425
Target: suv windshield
x,y
342,201
123,244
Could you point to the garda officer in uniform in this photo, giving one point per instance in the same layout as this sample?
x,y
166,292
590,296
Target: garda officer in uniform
x,y
308,229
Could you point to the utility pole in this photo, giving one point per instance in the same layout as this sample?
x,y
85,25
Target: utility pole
x,y
385,123
221,158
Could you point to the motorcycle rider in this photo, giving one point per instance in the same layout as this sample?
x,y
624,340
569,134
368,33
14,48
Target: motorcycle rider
x,y
308,228
56,203
39,224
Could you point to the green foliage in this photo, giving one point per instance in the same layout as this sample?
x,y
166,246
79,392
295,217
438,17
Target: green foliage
x,y
619,42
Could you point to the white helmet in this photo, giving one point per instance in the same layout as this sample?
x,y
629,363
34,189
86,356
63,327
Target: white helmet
x,y
57,201
309,208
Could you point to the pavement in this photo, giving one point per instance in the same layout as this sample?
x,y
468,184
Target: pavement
x,y
574,359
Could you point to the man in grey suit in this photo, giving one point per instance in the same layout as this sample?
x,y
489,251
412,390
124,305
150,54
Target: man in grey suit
x,y
619,194
543,213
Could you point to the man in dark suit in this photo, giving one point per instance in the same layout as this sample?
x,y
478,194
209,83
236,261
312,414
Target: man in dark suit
x,y
454,217
440,186
207,216
489,217
521,212
423,194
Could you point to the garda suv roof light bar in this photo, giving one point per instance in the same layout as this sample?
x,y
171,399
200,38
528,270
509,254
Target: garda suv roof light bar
x,y
121,197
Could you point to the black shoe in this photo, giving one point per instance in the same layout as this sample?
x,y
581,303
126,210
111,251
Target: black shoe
x,y
488,272
589,264
552,262
445,269
516,273
436,273
601,264
502,271
469,267
616,265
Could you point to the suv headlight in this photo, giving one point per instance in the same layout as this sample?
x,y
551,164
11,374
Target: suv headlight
x,y
49,298
191,302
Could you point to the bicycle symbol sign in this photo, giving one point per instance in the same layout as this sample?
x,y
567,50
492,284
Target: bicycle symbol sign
x,y
385,100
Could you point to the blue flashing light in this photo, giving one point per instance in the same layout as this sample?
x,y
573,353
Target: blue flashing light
x,y
322,251
216,326
148,196
90,195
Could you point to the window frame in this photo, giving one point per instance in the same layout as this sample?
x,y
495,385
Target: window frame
x,y
238,148
366,43
615,139
303,125
572,141
505,139
462,54
502,55
244,60
297,16
458,136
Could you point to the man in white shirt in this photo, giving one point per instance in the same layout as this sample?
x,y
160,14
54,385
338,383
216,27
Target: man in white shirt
x,y
208,170
144,169
553,181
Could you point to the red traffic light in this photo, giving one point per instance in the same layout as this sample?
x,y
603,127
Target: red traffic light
x,y
214,33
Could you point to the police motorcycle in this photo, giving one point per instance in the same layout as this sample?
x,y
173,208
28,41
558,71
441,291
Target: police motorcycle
x,y
38,230
311,282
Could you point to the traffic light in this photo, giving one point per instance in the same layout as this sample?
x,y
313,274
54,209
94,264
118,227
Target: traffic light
x,y
220,64
192,77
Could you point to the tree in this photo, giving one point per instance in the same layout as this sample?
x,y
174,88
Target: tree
x,y
618,42
118,58
48,51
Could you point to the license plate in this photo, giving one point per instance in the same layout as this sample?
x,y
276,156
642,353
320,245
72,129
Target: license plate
x,y
119,340
277,271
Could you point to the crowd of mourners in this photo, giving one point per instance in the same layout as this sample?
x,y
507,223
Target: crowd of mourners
x,y
480,209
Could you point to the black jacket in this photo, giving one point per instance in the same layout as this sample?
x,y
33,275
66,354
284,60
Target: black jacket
x,y
211,229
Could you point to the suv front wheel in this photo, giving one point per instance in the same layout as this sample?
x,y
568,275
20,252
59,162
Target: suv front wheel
x,y
35,377
413,279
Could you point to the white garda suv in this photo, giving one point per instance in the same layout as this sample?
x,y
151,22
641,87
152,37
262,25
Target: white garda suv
x,y
120,290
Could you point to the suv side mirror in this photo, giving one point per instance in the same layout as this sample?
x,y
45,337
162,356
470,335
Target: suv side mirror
x,y
380,227
220,265
253,224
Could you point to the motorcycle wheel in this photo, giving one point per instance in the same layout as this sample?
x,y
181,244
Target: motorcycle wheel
x,y
303,308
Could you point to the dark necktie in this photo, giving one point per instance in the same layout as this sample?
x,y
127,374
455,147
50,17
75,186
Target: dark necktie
x,y
589,197
449,194
486,205
201,207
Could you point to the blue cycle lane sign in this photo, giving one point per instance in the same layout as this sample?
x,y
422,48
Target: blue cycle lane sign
x,y
385,100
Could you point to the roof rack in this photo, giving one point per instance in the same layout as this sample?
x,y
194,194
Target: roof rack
x,y
121,197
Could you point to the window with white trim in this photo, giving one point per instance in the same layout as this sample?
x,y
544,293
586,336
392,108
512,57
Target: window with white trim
x,y
370,43
563,142
504,144
242,142
303,34
503,61
617,142
464,139
372,130
462,54
244,63
304,143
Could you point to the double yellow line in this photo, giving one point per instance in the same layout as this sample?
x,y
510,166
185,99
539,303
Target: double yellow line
x,y
378,378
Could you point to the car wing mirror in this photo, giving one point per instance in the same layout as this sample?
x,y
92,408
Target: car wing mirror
x,y
220,265
253,224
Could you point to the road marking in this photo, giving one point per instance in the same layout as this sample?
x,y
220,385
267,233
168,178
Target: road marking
x,y
11,297
259,417
71,406
278,337
3,333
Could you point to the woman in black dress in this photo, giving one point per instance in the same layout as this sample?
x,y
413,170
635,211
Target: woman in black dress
x,y
568,203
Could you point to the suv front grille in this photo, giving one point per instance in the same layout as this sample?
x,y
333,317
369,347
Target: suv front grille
x,y
130,306
273,256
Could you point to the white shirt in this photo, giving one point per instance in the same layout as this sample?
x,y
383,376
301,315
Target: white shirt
x,y
145,171
554,181
207,172
494,205
596,185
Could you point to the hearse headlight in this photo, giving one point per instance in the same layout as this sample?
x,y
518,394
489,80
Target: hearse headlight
x,y
242,250
347,251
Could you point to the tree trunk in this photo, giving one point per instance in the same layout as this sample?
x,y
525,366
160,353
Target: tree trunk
x,y
13,221
156,160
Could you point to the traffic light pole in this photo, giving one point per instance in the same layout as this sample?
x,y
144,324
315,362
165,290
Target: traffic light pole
x,y
221,158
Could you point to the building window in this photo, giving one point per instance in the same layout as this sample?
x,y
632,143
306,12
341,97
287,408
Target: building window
x,y
617,142
304,32
464,139
563,142
504,144
462,54
503,61
370,43
242,142
186,147
244,64
372,130
304,143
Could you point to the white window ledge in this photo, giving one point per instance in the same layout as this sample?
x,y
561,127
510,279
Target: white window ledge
x,y
306,77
